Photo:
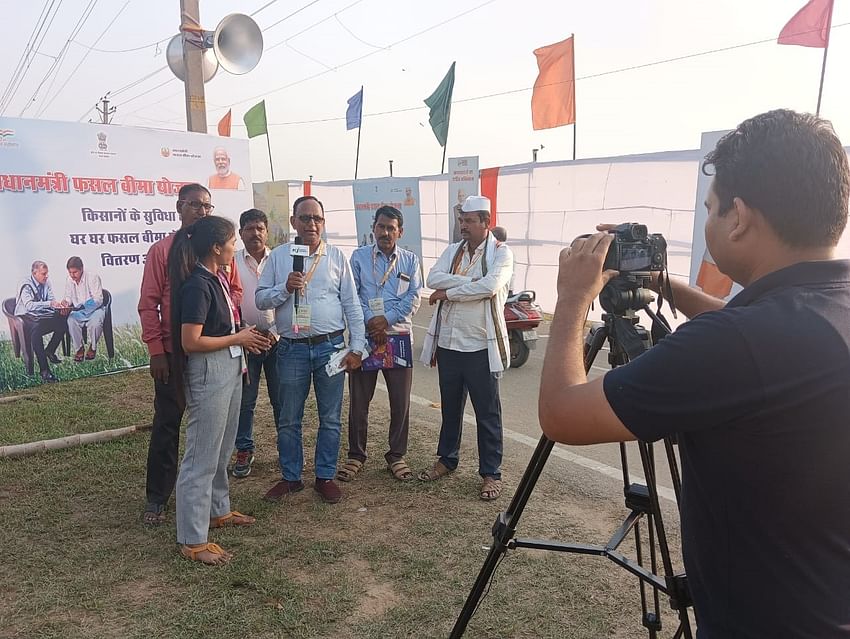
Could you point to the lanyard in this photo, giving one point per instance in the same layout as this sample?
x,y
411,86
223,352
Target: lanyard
x,y
380,285
318,258
472,263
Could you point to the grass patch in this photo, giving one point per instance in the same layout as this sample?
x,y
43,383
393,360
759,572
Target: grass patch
x,y
129,352
390,560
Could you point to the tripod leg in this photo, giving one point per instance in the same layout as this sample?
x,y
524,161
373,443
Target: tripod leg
x,y
503,533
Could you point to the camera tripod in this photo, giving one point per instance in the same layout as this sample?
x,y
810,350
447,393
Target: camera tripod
x,y
621,297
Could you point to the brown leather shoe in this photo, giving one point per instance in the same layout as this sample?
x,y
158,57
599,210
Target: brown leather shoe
x,y
328,490
283,488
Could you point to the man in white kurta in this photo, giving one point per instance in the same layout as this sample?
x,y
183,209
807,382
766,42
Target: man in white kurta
x,y
468,341
84,293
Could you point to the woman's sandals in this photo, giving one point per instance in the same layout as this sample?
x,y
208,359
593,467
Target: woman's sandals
x,y
349,469
209,554
233,518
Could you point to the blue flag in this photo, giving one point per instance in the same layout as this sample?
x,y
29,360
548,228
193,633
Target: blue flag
x,y
354,113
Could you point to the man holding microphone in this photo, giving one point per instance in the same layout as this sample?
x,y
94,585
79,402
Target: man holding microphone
x,y
312,309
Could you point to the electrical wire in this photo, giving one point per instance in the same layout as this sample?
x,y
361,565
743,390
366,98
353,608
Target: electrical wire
x,y
59,59
80,63
139,48
30,51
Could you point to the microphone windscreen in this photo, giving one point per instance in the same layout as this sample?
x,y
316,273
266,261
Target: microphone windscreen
x,y
298,260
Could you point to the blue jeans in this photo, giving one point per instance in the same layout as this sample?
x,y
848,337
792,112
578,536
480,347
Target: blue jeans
x,y
267,362
298,364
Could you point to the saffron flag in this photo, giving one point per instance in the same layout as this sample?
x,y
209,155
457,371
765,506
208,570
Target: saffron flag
x,y
354,113
553,101
711,280
224,124
255,120
810,25
440,103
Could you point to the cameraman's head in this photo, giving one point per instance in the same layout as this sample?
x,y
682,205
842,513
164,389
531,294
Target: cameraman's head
x,y
779,194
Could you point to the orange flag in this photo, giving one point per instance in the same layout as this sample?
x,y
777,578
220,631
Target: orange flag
x,y
553,102
224,125
711,280
810,25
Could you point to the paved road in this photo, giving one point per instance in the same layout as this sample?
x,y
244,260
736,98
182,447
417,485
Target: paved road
x,y
519,389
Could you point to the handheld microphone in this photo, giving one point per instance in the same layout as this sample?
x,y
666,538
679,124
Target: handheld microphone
x,y
298,267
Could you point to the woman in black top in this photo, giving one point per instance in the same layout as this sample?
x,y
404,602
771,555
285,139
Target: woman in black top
x,y
208,352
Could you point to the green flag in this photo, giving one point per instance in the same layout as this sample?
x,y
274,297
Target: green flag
x,y
255,120
440,103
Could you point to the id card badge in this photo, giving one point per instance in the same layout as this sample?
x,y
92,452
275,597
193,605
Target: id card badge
x,y
376,305
302,317
235,351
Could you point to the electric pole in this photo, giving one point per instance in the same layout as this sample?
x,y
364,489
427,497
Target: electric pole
x,y
193,55
106,111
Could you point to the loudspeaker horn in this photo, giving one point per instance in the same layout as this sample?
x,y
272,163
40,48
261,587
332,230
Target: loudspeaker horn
x,y
238,43
174,57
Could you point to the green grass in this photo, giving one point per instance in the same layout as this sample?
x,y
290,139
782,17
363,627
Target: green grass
x,y
129,352
390,560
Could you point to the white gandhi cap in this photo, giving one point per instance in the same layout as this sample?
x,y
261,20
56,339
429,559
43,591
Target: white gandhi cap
x,y
475,203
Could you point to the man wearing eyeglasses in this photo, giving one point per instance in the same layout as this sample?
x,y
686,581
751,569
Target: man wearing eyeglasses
x,y
193,203
312,308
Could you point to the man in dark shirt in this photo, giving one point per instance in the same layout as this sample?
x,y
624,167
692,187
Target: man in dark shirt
x,y
757,390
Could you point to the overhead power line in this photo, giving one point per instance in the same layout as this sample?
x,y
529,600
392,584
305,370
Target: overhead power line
x,y
59,59
30,50
80,63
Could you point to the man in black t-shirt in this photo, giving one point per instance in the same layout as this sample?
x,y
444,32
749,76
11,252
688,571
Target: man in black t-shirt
x,y
757,390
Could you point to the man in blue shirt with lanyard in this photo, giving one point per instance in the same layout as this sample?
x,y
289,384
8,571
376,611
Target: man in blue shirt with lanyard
x,y
388,283
312,309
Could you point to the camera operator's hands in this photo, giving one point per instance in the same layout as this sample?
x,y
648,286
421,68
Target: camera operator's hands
x,y
580,276
654,284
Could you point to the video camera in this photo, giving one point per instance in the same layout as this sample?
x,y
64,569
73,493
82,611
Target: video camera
x,y
634,250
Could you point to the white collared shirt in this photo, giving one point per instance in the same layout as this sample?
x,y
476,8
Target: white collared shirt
x,y
463,325
89,287
249,272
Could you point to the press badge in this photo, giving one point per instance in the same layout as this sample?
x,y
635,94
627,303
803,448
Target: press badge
x,y
376,305
302,316
235,351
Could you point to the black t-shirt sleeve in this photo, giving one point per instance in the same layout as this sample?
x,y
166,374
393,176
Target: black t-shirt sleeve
x,y
702,376
195,302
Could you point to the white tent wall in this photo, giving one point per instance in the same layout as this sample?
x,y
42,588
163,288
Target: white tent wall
x,y
545,206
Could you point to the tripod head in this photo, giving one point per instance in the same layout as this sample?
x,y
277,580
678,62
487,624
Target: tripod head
x,y
626,293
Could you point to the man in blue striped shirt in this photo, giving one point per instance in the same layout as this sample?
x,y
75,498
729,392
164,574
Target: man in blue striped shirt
x,y
388,282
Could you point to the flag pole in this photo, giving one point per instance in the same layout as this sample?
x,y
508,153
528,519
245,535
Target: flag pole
x,y
269,144
443,165
575,118
825,51
357,157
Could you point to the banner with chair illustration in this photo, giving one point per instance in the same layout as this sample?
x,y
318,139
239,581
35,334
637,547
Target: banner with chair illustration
x,y
80,205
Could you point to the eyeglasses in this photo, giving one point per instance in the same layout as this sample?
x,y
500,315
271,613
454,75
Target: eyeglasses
x,y
198,205
315,219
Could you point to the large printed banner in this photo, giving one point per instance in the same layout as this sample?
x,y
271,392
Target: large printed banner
x,y
102,194
403,194
463,182
273,199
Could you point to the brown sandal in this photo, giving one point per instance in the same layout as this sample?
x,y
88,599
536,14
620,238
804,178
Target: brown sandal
x,y
349,469
491,489
435,472
233,518
214,549
400,470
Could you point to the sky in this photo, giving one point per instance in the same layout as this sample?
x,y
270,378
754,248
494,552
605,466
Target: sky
x,y
319,52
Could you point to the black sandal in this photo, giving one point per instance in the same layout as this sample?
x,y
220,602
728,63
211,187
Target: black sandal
x,y
154,514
